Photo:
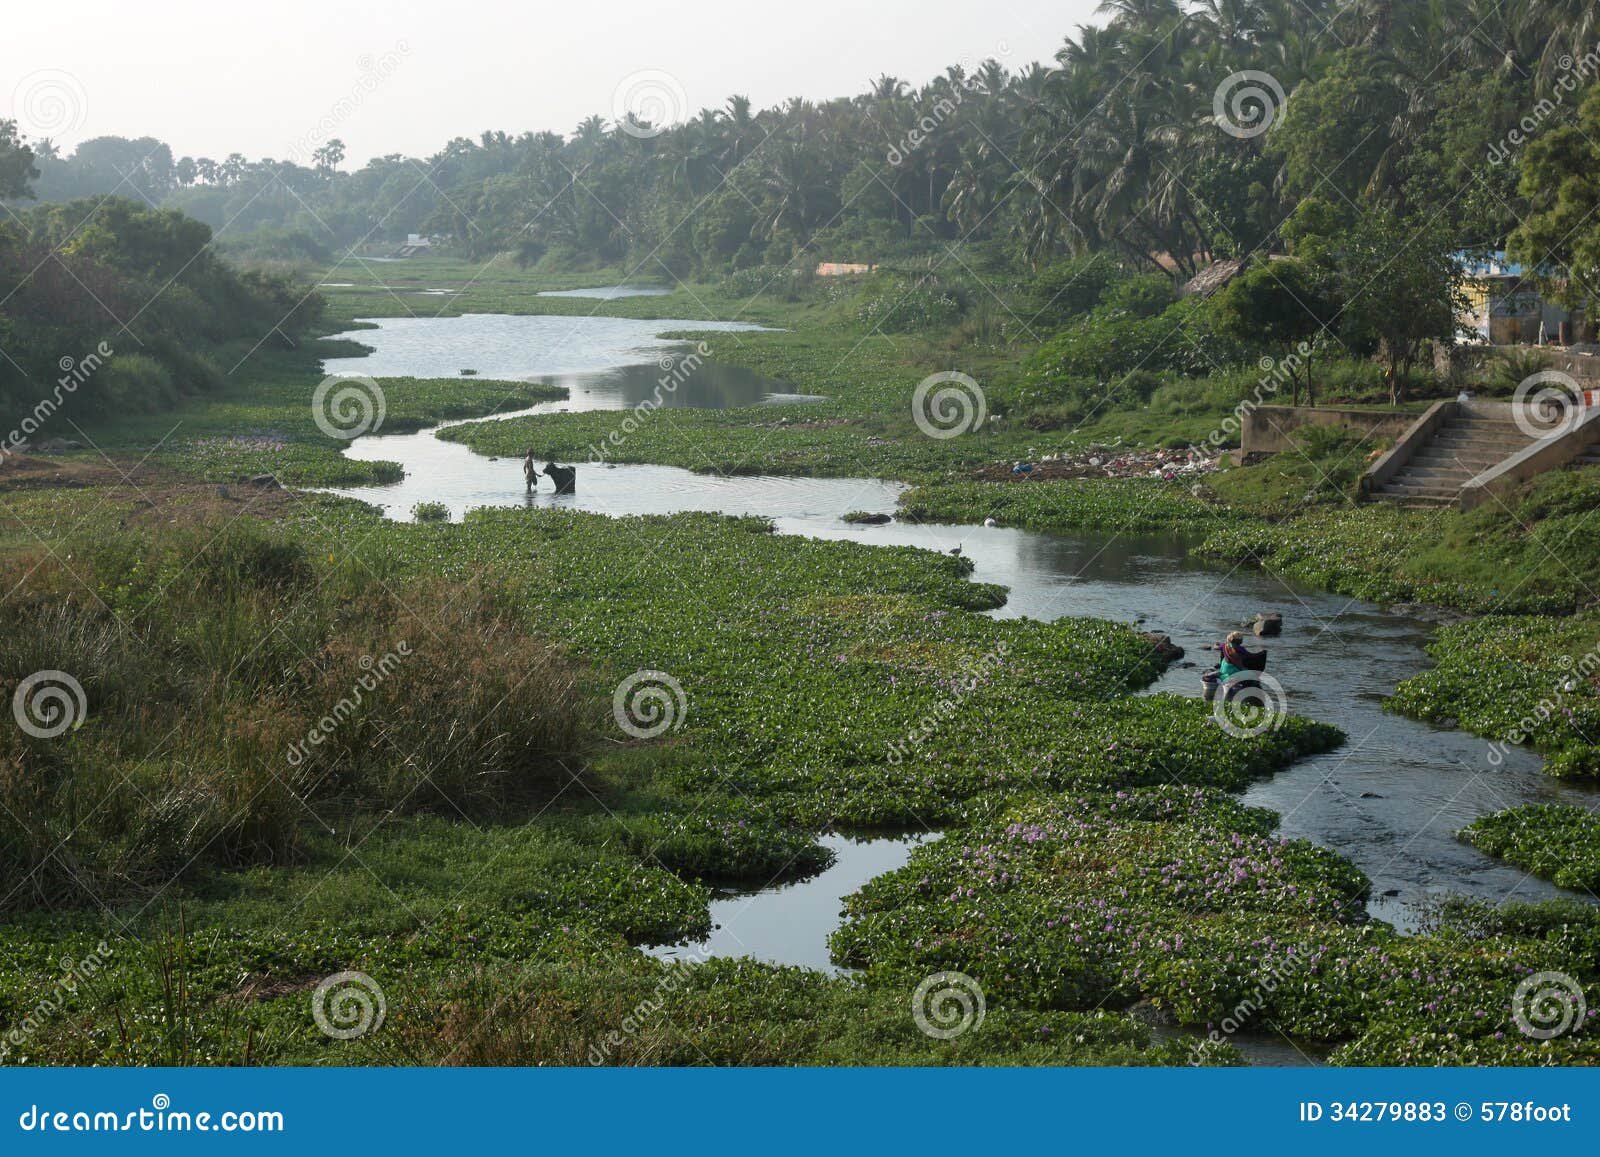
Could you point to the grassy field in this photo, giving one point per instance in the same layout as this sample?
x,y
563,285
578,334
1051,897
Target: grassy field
x,y
236,814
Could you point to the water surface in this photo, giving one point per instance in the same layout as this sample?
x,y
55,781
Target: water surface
x,y
1391,799
790,923
513,347
611,292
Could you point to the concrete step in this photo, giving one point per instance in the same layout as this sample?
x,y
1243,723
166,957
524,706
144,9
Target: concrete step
x,y
1428,476
1410,490
1496,453
1418,500
1477,442
1476,463
1507,445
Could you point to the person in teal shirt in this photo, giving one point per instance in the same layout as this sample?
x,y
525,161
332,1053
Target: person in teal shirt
x,y
1235,657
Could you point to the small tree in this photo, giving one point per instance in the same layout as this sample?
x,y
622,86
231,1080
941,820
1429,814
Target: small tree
x,y
330,156
16,162
1401,289
1279,304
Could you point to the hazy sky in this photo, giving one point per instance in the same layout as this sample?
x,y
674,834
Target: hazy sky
x,y
217,76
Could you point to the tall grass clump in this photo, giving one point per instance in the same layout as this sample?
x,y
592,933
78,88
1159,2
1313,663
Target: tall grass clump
x,y
235,691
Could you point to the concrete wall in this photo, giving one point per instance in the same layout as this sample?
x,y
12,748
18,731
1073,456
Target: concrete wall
x,y
1584,367
1268,429
1548,454
1419,432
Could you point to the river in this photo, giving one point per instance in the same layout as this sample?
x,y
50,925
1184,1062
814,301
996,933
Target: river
x,y
1390,799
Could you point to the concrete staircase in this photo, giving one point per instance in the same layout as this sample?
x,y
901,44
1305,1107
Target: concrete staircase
x,y
1462,445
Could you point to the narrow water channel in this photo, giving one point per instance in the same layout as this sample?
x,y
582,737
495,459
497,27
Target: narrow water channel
x,y
1391,799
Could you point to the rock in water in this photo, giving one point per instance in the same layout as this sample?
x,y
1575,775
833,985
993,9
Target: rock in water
x,y
1166,651
1267,625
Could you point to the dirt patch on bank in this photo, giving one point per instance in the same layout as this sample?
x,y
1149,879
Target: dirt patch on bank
x,y
151,493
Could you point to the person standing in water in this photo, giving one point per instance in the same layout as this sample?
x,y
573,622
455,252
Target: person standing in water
x,y
1235,657
530,470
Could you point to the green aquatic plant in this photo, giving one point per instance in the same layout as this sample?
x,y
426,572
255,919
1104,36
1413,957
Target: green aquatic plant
x,y
1531,680
1558,842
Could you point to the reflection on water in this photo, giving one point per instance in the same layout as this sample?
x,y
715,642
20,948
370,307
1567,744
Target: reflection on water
x,y
790,924
690,383
448,472
512,347
610,292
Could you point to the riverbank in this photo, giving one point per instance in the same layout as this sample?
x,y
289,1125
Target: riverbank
x,y
818,684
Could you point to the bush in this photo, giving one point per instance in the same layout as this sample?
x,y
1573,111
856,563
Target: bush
x,y
430,512
1068,290
136,383
232,692
899,303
